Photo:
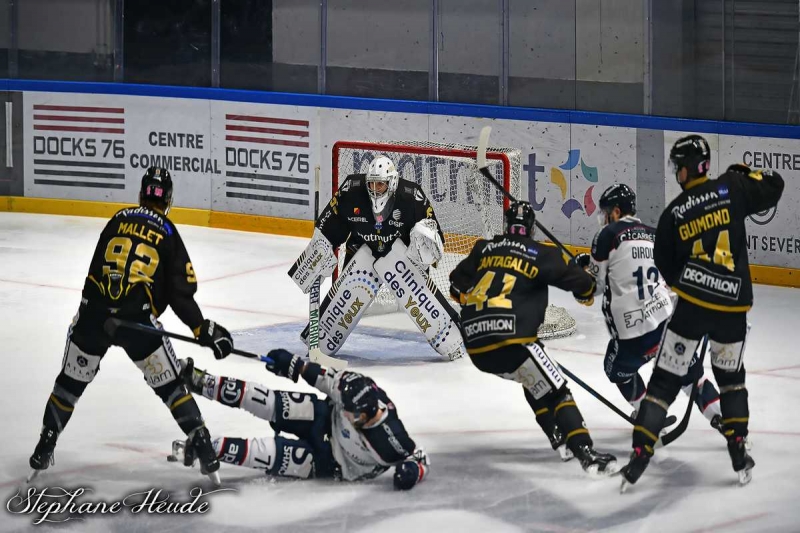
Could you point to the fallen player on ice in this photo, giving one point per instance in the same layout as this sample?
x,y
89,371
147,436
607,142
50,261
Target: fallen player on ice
x,y
351,435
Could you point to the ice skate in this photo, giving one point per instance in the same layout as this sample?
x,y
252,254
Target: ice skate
x,y
636,466
42,456
741,461
199,447
191,376
596,464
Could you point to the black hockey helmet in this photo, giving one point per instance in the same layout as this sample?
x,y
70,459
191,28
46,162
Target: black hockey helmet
x,y
520,218
618,195
692,153
156,188
360,396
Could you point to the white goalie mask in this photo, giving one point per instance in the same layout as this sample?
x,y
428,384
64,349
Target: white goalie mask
x,y
381,181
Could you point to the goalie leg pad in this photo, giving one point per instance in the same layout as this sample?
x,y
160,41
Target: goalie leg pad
x,y
421,301
350,297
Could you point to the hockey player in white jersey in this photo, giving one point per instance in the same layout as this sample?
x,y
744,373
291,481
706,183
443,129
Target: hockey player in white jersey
x,y
392,237
636,301
353,434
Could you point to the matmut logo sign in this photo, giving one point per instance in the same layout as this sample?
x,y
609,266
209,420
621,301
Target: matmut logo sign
x,y
79,146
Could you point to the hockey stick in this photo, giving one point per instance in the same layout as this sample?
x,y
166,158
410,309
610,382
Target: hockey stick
x,y
596,394
680,428
483,143
314,353
112,324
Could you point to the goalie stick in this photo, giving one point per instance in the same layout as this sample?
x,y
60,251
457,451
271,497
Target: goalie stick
x,y
483,143
314,353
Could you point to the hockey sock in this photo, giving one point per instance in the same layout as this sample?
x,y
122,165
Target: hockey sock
x,y
707,398
182,406
570,421
61,403
733,402
649,422
633,390
544,415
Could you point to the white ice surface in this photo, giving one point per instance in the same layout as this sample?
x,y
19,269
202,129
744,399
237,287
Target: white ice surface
x,y
492,469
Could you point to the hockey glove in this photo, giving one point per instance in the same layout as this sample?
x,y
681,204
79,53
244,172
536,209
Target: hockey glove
x,y
285,364
583,260
411,471
585,300
214,336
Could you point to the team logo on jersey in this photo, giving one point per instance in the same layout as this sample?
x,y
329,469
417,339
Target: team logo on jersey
x,y
533,251
633,317
356,210
418,195
723,191
345,433
396,214
345,186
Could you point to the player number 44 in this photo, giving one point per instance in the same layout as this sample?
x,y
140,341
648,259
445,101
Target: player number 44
x,y
722,252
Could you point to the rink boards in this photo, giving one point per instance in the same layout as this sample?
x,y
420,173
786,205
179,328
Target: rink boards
x,y
246,160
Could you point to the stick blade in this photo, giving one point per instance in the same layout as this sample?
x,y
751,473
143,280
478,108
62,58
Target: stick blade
x,y
483,143
316,356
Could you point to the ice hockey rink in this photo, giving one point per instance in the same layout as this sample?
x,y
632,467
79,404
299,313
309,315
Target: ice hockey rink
x,y
492,468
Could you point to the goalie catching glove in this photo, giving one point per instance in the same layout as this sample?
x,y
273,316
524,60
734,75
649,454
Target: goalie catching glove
x,y
425,244
316,261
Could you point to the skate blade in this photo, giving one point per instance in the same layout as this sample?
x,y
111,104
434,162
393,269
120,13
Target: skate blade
x,y
565,453
623,487
214,477
33,475
745,476
611,469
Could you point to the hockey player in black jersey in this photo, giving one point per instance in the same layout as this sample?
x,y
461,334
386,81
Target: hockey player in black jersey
x,y
636,300
502,286
701,252
139,268
353,434
392,237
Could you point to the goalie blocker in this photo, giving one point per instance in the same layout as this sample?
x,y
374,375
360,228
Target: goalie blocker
x,y
419,298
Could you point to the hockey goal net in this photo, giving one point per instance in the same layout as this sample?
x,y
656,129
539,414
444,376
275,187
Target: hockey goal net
x,y
466,204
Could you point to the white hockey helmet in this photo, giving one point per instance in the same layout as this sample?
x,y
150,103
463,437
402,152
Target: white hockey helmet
x,y
381,172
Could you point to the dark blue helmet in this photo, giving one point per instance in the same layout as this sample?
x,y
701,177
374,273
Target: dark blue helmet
x,y
619,195
359,396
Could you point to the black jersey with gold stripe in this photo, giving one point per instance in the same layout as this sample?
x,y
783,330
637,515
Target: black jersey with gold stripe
x,y
701,240
503,284
141,264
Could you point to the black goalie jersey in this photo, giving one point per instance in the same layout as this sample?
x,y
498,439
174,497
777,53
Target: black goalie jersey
x,y
348,216
701,242
503,285
140,266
